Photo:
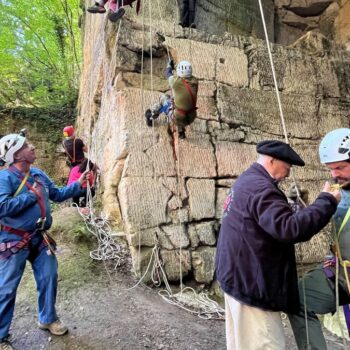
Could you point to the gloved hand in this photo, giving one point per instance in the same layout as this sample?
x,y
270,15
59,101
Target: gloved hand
x,y
171,64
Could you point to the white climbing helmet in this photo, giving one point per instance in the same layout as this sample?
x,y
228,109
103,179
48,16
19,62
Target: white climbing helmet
x,y
335,146
9,145
184,69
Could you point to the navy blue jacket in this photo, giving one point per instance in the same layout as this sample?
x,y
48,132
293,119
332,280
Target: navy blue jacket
x,y
255,260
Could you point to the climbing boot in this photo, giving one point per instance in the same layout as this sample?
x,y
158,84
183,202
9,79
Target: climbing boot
x,y
149,119
115,16
182,134
97,8
55,328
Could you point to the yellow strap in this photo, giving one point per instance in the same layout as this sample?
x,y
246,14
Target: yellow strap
x,y
344,263
22,184
345,220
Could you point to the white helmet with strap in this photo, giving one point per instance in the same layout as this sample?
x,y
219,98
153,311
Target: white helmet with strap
x,y
9,145
184,69
335,146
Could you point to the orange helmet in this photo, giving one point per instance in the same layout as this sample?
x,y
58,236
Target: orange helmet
x,y
68,131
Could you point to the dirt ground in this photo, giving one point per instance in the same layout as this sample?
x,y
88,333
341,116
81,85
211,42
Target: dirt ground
x,y
102,314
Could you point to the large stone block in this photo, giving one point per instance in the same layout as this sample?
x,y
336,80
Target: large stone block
x,y
174,237
260,111
332,115
171,263
202,234
308,7
161,156
215,65
195,52
146,238
232,66
201,198
179,216
313,170
142,261
176,185
203,262
233,157
235,16
196,157
138,164
207,108
143,202
206,88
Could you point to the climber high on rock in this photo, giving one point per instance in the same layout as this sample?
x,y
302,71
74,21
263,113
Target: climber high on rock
x,y
116,8
182,107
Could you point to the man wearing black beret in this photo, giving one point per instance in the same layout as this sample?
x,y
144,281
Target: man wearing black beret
x,y
255,260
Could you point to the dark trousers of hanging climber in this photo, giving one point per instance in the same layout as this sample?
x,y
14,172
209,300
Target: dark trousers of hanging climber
x,y
187,12
320,300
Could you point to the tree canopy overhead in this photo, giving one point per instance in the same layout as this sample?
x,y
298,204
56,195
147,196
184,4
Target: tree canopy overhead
x,y
40,52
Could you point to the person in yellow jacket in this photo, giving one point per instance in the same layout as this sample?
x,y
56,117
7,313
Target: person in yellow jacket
x,y
181,107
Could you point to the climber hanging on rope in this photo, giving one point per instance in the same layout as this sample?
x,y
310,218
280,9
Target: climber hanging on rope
x,y
182,106
320,288
116,8
74,147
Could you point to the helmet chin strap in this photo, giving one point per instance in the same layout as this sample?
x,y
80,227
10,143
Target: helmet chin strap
x,y
21,160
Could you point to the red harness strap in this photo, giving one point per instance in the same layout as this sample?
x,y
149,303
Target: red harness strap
x,y
15,246
8,248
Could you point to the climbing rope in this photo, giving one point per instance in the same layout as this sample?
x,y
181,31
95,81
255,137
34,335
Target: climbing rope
x,y
296,187
99,226
187,298
283,124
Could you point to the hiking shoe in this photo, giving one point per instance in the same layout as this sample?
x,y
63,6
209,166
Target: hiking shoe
x,y
5,344
114,16
55,328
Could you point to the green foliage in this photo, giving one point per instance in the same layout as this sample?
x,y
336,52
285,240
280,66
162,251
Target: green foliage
x,y
80,233
40,52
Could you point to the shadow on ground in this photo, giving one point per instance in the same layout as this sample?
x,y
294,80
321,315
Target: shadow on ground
x,y
102,314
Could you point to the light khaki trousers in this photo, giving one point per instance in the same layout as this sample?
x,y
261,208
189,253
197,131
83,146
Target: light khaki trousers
x,y
250,328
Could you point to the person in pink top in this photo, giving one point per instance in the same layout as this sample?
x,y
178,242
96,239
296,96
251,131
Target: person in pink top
x,y
74,175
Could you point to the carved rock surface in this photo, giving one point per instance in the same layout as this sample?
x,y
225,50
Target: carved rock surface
x,y
166,193
203,262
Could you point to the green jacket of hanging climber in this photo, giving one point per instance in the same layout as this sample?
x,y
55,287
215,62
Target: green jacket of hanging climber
x,y
184,90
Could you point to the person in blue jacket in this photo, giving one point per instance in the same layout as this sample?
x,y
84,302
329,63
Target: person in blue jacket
x,y
255,259
25,216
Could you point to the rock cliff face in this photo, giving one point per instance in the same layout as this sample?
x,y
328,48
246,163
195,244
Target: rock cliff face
x,y
296,17
172,197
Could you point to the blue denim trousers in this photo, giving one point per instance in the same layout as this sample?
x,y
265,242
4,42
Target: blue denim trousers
x,y
45,273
